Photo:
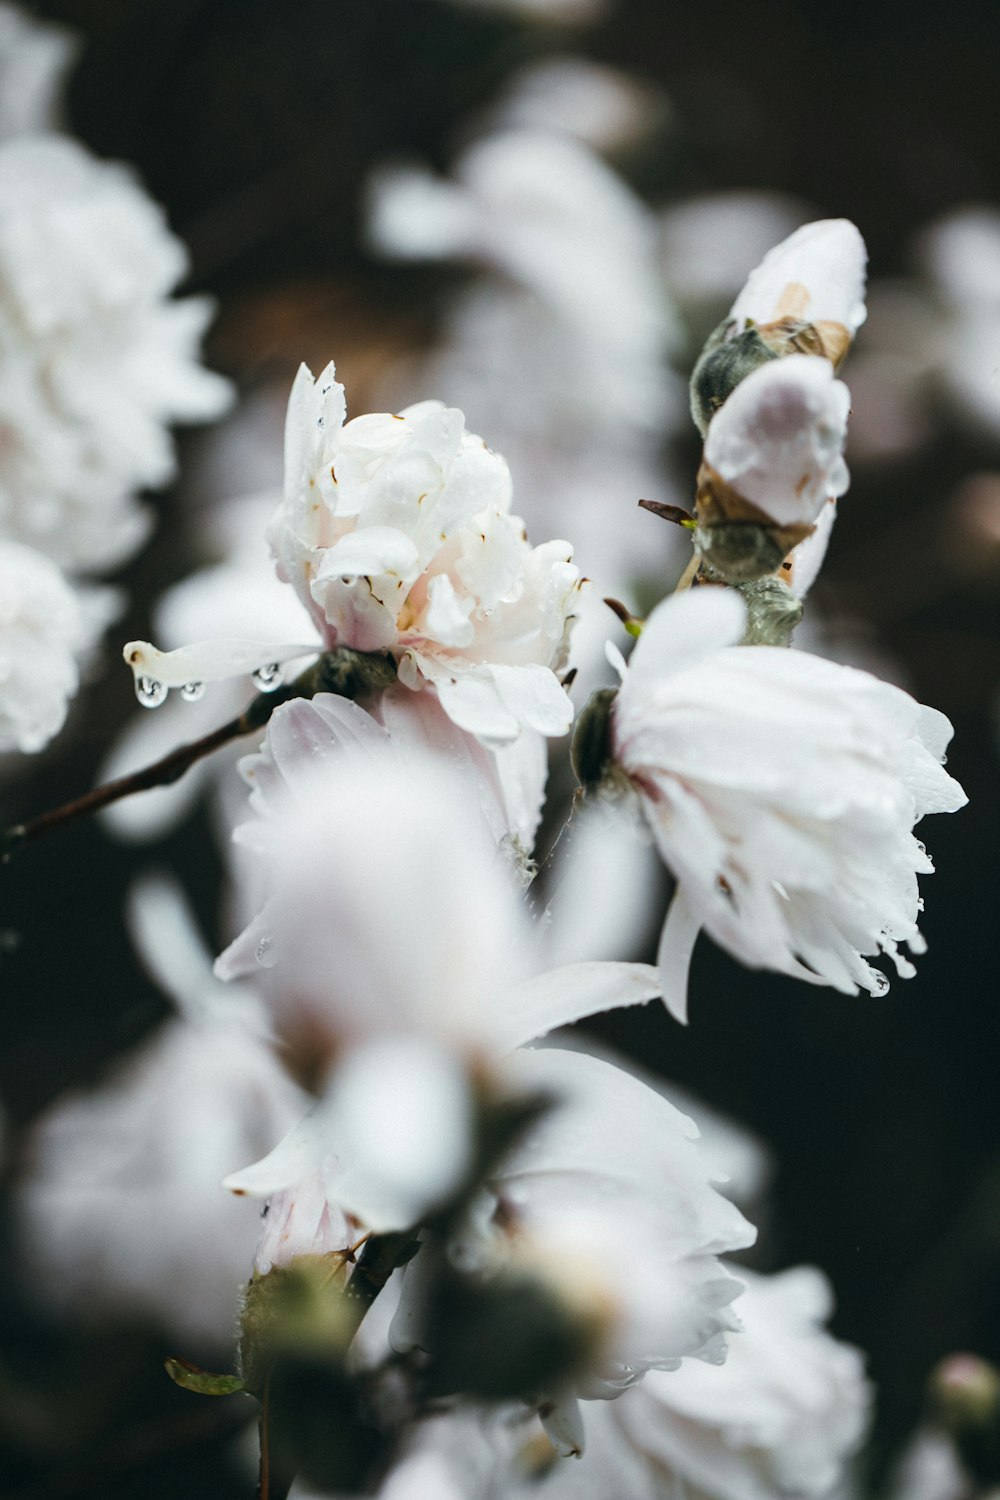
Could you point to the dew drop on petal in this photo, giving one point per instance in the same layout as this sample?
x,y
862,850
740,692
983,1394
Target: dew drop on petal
x,y
264,953
880,984
192,691
149,692
267,678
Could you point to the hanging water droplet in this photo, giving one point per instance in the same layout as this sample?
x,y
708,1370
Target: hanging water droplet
x,y
880,983
149,692
192,691
264,953
268,677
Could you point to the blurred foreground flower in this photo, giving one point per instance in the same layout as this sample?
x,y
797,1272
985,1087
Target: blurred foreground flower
x,y
120,1209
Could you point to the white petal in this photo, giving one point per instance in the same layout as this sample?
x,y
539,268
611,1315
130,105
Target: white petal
x,y
539,1005
400,1114
447,619
473,702
779,439
673,958
563,1424
825,263
536,696
369,553
208,661
302,1152
681,631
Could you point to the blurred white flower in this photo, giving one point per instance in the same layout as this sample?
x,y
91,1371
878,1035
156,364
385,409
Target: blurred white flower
x,y
607,1200
961,255
45,627
546,213
778,441
463,1454
929,1468
711,242
34,59
606,109
780,1418
781,790
442,985
121,1208
97,358
558,12
396,533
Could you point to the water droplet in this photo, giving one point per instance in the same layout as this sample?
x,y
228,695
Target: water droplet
x,y
149,692
192,691
267,678
880,984
264,953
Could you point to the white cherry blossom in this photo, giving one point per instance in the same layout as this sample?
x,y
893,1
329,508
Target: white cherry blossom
x,y
97,357
396,532
782,791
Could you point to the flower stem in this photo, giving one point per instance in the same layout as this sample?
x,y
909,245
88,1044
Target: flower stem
x,y
270,1486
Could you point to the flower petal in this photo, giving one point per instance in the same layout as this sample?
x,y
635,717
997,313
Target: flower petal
x,y
537,1006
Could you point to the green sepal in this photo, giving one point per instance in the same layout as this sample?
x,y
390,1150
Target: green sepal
x,y
183,1373
590,752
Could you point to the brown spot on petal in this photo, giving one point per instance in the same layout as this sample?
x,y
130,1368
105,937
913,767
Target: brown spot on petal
x,y
793,301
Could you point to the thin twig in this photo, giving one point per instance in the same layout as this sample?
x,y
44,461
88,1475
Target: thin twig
x,y
344,671
163,772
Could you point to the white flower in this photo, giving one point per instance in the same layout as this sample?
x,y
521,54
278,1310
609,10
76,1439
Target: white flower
x,y
97,359
816,275
607,1200
778,441
738,226
121,1209
961,253
397,535
440,985
606,109
545,212
45,626
34,58
779,1419
782,790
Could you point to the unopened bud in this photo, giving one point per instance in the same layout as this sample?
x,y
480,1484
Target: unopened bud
x,y
965,1393
590,752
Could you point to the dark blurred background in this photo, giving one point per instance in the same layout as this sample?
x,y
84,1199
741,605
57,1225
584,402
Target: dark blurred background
x,y
256,124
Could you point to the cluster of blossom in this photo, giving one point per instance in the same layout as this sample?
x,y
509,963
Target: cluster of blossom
x,y
97,360
546,1230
